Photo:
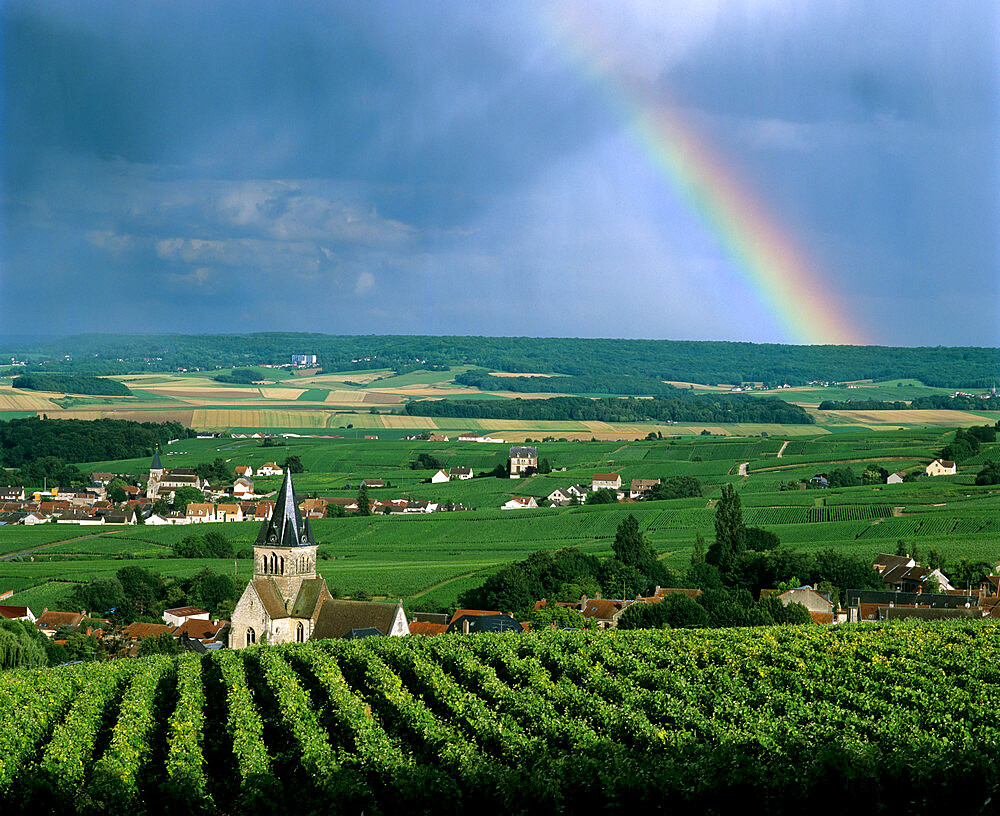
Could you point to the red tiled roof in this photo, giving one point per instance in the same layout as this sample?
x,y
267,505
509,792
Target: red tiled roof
x,y
200,629
460,612
13,612
52,619
425,628
145,630
606,477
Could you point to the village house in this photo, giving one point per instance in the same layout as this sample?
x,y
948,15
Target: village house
x,y
243,488
244,470
560,497
170,517
440,477
373,483
941,467
896,478
313,508
522,459
200,513
270,469
181,614
821,608
460,473
437,438
640,488
606,481
17,613
520,503
228,512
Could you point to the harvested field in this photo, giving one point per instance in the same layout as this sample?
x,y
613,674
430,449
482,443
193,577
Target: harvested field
x,y
220,418
12,399
399,421
521,374
304,372
342,396
381,399
942,418
207,392
182,415
282,393
697,386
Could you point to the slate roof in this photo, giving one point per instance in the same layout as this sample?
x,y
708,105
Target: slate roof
x,y
286,527
337,618
156,461
311,594
485,623
520,452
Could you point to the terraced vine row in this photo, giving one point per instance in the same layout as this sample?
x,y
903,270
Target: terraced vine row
x,y
893,718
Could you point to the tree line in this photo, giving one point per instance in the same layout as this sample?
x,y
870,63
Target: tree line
x,y
709,362
23,441
705,408
937,402
72,384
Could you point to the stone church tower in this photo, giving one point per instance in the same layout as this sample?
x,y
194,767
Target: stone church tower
x,y
282,602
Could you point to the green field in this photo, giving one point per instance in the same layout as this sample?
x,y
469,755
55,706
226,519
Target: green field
x,y
879,719
439,555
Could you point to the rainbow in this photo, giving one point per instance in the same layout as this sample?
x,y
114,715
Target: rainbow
x,y
789,285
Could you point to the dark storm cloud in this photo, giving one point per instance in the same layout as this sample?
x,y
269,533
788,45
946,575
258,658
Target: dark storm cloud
x,y
456,168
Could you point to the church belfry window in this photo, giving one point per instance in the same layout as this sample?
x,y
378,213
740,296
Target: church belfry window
x,y
300,633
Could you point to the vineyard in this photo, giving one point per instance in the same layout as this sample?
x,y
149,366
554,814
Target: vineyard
x,y
889,719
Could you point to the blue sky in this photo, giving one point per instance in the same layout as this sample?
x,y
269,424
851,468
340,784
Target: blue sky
x,y
468,168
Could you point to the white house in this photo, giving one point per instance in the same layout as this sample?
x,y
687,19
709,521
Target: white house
x,y
244,470
606,481
941,467
180,615
270,469
228,512
439,477
520,503
158,519
199,513
34,517
895,478
243,488
461,473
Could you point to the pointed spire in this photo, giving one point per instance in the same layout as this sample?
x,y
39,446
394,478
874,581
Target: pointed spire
x,y
156,461
286,527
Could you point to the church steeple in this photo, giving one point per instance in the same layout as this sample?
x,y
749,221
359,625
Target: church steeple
x,y
156,462
286,527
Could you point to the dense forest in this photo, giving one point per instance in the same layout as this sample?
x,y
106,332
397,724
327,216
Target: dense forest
x,y
609,383
959,402
686,360
23,441
722,408
72,384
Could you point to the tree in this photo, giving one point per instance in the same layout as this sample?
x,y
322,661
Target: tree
x,y
874,474
184,496
729,531
989,475
425,461
161,644
603,496
632,547
698,553
364,503
843,477
559,617
293,464
334,510
760,540
218,545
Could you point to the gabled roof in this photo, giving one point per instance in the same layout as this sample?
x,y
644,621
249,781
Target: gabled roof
x,y
337,618
53,619
201,629
145,630
606,477
185,611
286,528
427,628
13,612
270,597
311,594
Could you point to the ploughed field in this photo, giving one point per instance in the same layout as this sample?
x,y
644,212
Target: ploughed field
x,y
895,718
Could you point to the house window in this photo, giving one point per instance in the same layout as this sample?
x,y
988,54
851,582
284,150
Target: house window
x,y
300,633
251,636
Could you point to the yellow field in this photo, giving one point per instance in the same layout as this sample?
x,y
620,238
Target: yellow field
x,y
342,396
919,416
13,399
281,393
221,418
394,421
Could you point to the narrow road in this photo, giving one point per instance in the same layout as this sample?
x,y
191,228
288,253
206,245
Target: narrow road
x,y
785,445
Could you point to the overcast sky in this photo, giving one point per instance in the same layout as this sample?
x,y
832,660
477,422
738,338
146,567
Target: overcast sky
x,y
474,168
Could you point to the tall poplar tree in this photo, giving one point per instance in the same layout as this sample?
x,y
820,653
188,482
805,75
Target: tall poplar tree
x,y
729,531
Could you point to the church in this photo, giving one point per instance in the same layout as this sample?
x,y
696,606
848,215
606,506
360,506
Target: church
x,y
287,601
162,483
